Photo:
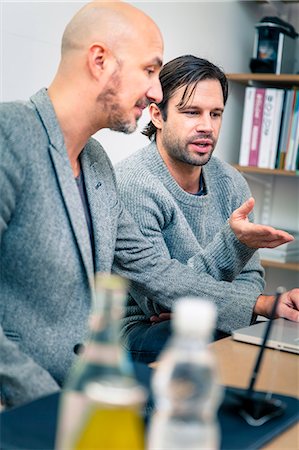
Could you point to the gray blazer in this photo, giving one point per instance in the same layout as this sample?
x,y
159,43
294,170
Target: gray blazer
x,y
46,263
46,259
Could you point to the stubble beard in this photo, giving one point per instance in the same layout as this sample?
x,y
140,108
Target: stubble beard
x,y
117,121
178,151
116,115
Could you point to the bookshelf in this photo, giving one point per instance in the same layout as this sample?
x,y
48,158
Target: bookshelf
x,y
282,80
279,265
270,176
250,169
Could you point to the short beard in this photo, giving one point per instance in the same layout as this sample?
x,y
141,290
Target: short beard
x,y
108,99
178,153
197,160
117,122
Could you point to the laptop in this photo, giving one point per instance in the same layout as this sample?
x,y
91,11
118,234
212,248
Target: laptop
x,y
284,335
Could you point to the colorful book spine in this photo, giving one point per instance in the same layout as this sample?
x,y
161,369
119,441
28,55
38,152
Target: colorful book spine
x,y
293,131
295,160
283,140
277,121
256,130
246,125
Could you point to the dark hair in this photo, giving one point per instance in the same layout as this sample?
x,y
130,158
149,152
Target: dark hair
x,y
187,70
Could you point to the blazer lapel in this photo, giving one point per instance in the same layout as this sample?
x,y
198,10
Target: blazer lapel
x,y
65,177
100,208
74,207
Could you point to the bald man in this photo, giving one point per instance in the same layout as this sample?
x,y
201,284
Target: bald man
x,y
60,217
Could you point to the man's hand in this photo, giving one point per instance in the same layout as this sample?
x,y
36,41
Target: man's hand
x,y
288,306
253,235
160,318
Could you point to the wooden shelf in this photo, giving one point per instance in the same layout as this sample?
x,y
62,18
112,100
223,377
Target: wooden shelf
x,y
253,169
280,265
269,78
271,1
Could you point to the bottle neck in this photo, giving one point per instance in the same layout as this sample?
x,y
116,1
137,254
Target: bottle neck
x,y
189,342
103,356
108,309
104,327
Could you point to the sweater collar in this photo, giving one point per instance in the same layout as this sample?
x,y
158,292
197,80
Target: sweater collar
x,y
156,161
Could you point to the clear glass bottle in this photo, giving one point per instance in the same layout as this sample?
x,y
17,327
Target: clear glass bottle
x,y
186,391
100,404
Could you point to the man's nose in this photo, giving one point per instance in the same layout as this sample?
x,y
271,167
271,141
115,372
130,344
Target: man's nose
x,y
204,123
155,94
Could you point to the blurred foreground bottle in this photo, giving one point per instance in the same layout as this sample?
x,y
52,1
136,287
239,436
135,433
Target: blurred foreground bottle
x,y
187,394
101,402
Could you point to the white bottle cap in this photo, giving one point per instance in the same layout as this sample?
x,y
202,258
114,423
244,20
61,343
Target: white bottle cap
x,y
194,316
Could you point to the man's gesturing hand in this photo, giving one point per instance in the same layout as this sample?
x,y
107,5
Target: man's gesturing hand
x,y
253,235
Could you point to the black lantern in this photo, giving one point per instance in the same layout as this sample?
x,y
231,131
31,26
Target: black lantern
x,y
274,46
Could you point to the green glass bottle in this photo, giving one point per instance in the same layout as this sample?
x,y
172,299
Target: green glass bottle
x,y
100,405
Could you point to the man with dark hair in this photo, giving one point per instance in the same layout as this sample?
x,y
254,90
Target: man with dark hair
x,y
183,199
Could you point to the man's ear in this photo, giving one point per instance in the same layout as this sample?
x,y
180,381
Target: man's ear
x,y
156,116
100,60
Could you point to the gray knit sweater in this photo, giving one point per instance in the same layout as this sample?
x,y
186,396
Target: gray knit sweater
x,y
183,226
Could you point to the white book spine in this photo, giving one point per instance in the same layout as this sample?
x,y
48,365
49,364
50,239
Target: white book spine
x,y
246,126
267,128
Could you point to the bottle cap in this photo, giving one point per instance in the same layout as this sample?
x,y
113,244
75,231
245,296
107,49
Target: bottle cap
x,y
193,315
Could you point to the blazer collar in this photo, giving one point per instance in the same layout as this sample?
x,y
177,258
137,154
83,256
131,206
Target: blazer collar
x,y
47,114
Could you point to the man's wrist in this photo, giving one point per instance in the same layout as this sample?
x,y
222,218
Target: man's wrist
x,y
261,307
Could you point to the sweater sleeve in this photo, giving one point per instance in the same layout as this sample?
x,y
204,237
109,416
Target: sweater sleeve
x,y
207,270
151,207
158,281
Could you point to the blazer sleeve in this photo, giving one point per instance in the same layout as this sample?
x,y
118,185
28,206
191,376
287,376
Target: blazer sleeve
x,y
21,379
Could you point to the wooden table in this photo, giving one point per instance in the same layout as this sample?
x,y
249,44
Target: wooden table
x,y
279,373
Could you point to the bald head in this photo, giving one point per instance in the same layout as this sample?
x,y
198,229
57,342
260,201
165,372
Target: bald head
x,y
109,70
112,23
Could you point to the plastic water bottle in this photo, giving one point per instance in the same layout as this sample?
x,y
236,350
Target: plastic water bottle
x,y
100,406
187,394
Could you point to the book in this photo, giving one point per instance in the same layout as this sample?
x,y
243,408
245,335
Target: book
x,y
267,127
280,95
270,127
288,252
286,128
279,257
246,126
283,125
293,131
295,162
256,128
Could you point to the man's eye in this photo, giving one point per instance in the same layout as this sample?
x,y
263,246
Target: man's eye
x,y
150,71
216,114
191,113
